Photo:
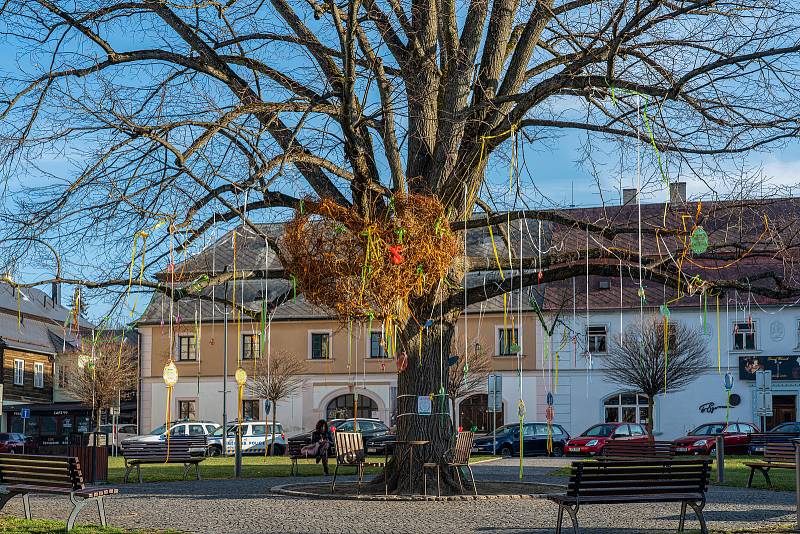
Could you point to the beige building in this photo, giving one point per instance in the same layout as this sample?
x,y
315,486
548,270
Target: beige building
x,y
337,365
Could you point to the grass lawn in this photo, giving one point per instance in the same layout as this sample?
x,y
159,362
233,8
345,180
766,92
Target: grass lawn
x,y
736,474
222,468
13,525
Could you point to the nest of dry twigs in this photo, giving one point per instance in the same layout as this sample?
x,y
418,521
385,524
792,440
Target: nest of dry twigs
x,y
364,267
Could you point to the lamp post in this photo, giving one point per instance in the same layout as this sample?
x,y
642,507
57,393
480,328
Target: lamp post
x,y
241,380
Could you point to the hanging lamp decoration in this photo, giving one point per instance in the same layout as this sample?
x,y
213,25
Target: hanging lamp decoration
x,y
241,379
170,376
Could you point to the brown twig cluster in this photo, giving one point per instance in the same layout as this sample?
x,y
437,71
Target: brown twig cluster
x,y
368,267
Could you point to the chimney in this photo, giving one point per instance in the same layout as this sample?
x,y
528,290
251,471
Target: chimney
x,y
55,293
628,196
677,192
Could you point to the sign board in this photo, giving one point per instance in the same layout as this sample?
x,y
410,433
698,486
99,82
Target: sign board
x,y
114,410
25,413
267,406
782,367
763,392
424,405
495,393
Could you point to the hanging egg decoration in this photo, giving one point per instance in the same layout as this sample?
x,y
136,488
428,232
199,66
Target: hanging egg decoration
x,y
170,374
699,240
664,309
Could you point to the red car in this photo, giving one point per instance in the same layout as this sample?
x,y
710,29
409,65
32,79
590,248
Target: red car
x,y
595,438
703,439
12,442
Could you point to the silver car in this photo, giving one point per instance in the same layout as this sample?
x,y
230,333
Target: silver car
x,y
176,429
119,432
253,438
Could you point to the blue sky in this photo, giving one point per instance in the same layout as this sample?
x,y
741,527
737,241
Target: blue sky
x,y
556,169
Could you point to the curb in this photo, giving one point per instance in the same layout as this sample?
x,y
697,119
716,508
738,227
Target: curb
x,y
288,491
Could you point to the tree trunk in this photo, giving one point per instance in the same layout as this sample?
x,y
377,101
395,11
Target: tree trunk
x,y
267,435
424,376
650,415
274,421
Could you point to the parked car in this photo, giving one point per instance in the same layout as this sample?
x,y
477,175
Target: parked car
x,y
176,428
592,441
119,432
379,443
703,439
253,438
16,443
782,432
369,428
506,440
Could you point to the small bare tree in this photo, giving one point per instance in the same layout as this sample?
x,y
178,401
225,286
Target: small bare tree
x,y
275,379
103,370
638,359
463,382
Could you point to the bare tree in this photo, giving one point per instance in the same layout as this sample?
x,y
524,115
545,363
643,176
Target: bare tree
x,y
639,359
276,378
209,113
103,371
467,376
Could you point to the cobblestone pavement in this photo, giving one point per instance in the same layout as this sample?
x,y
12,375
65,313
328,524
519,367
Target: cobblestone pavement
x,y
246,506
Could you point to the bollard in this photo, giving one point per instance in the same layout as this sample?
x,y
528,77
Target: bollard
x,y
720,460
797,483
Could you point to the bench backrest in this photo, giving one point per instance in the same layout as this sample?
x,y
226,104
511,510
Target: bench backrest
x,y
463,448
34,470
779,451
293,448
179,450
646,477
638,449
349,447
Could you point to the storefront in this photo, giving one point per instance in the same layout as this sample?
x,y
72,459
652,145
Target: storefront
x,y
52,424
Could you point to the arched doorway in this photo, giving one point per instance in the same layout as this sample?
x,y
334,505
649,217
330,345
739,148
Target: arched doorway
x,y
474,412
342,407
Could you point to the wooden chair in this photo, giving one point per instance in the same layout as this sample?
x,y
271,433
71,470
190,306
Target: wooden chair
x,y
457,457
50,475
350,452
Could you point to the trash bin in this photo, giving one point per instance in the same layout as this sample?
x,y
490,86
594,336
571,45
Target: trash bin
x,y
91,450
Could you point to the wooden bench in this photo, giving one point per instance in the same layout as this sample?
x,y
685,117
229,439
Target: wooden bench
x,y
457,457
620,449
294,450
52,475
181,451
777,455
644,481
350,453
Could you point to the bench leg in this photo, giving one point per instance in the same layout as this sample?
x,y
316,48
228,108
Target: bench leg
x,y
333,482
698,510
573,516
750,478
197,470
101,509
458,476
472,476
683,517
5,497
127,472
139,472
560,518
26,505
77,507
294,463
424,482
765,470
438,481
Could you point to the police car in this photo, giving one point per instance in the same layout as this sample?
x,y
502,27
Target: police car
x,y
253,438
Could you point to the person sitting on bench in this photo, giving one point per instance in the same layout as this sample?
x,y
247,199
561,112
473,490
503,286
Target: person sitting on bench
x,y
321,440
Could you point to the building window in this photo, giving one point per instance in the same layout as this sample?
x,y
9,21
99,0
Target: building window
x,y
187,348
320,346
744,336
507,341
63,378
187,410
343,407
376,348
251,346
19,372
250,410
38,375
596,339
627,408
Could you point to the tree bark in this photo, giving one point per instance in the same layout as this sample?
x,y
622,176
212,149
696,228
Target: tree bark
x,y
425,375
650,415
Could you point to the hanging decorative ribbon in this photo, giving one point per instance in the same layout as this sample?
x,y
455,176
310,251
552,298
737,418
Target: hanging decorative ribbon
x,y
521,413
170,376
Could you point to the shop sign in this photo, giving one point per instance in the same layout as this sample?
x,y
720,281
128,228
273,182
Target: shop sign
x,y
782,367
